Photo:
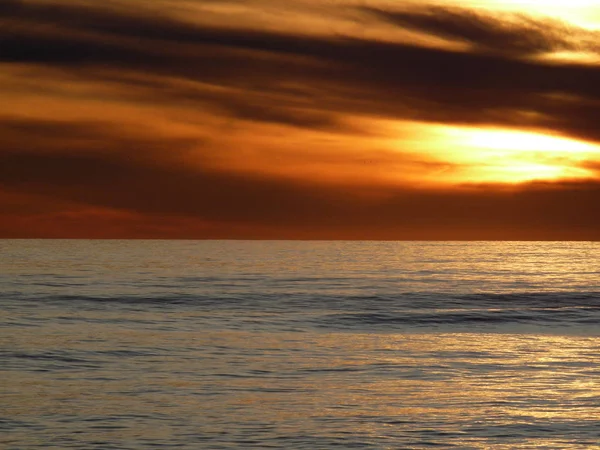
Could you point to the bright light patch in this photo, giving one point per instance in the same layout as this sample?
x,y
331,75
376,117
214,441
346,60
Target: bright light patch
x,y
508,141
585,13
569,57
507,156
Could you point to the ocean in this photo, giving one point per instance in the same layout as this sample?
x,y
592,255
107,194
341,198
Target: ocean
x,y
143,344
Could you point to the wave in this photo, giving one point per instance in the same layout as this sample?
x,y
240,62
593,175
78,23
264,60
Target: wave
x,y
420,300
576,316
295,311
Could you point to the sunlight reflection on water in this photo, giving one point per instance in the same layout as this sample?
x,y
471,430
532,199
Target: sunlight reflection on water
x,y
300,345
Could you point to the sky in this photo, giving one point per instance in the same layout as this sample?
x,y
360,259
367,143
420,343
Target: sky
x,y
303,119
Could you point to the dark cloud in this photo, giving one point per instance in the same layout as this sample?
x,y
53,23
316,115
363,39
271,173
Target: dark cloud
x,y
506,33
340,75
84,139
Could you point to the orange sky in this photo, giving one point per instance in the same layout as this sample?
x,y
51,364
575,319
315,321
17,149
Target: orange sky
x,y
300,119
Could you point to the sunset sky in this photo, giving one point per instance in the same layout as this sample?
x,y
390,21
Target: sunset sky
x,y
300,119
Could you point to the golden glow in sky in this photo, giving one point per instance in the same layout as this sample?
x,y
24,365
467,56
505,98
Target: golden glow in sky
x,y
300,118
511,156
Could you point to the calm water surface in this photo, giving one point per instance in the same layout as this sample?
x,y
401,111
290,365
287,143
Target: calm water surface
x,y
316,345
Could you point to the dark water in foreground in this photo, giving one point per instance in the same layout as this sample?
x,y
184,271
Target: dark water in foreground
x,y
316,345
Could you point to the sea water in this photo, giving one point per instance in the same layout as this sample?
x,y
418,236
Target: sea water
x,y
309,345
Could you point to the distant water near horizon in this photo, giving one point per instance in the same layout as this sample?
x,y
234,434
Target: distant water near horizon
x,y
140,344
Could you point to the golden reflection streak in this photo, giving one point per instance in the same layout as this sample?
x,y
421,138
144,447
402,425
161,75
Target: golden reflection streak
x,y
474,379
